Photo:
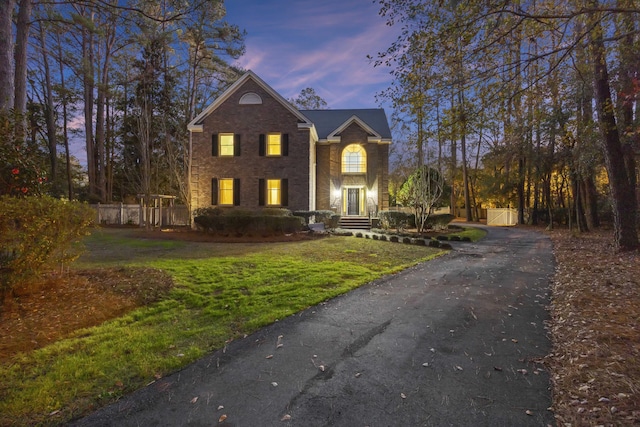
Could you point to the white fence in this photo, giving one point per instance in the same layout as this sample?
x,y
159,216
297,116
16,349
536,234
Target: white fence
x,y
502,217
121,214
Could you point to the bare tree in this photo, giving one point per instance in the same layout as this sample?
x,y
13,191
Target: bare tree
x,y
422,191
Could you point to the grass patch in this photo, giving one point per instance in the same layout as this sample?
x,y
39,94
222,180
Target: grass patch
x,y
220,292
473,233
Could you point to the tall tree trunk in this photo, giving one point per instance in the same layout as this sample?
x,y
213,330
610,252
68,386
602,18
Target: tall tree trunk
x,y
463,149
49,109
7,90
622,185
65,119
88,86
453,165
23,25
591,203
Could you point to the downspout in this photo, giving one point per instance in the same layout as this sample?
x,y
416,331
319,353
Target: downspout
x,y
188,183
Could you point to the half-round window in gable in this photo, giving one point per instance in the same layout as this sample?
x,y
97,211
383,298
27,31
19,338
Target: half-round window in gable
x,y
250,98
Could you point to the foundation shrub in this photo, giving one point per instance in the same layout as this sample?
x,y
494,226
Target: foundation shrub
x,y
394,220
238,222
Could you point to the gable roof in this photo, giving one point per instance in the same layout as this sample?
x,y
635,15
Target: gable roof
x,y
329,123
196,124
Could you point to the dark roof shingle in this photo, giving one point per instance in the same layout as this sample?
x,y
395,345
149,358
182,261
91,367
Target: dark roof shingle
x,y
327,121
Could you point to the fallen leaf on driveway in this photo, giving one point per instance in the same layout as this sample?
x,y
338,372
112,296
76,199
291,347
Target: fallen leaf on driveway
x,y
222,418
194,400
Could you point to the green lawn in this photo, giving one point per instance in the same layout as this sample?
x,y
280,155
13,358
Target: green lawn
x,y
222,292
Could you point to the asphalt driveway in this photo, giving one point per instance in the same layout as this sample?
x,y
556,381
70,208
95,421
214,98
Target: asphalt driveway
x,y
455,341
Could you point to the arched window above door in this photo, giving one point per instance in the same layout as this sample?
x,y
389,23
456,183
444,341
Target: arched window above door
x,y
354,159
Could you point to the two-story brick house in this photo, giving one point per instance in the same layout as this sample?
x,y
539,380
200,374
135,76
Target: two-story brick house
x,y
251,148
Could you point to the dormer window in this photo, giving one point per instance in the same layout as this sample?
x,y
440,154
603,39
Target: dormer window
x,y
250,98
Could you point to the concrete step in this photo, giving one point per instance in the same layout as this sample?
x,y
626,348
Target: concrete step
x,y
355,222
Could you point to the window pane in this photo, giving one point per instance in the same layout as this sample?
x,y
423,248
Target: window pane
x,y
354,159
274,144
226,144
225,190
273,191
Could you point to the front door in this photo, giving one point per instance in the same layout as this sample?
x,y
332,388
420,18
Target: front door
x,y
353,201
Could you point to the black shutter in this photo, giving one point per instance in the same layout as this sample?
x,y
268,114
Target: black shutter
x,y
214,191
284,192
261,191
236,144
214,145
236,192
285,144
261,145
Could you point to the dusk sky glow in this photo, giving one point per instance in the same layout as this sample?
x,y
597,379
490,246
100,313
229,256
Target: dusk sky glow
x,y
324,44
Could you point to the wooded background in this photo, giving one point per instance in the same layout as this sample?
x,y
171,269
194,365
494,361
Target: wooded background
x,y
524,104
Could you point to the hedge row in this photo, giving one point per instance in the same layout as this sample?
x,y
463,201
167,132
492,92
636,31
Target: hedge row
x,y
402,220
239,222
38,234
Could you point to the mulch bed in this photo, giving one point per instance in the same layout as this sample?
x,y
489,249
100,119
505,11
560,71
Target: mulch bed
x,y
46,312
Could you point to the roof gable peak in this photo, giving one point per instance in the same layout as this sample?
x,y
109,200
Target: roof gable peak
x,y
196,124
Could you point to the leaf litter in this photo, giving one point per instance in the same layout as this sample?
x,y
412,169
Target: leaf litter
x,y
595,361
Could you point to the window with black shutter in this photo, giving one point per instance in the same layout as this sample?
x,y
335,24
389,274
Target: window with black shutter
x,y
214,191
262,191
214,145
236,192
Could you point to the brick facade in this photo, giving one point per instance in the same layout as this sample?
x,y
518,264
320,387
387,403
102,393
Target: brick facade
x,y
250,121
312,167
331,180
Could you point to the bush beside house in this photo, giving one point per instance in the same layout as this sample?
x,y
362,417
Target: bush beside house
x,y
239,222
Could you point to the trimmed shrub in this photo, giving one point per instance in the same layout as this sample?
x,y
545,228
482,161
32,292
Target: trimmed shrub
x,y
446,246
332,221
38,234
455,238
466,238
383,238
442,238
439,222
406,240
434,243
276,212
358,234
394,239
420,242
375,237
240,223
394,220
